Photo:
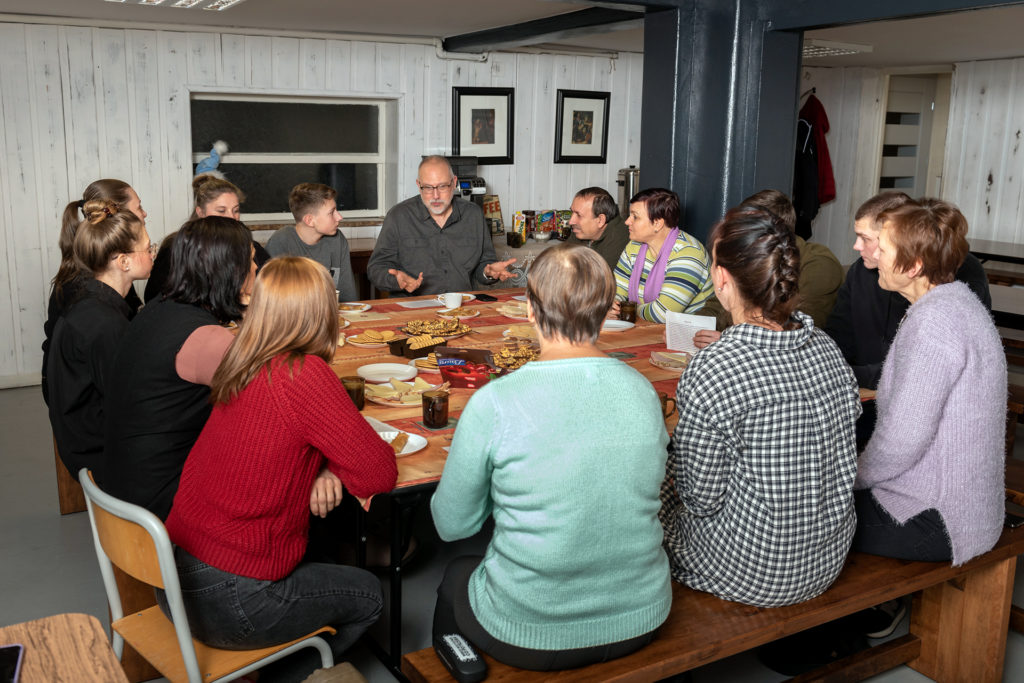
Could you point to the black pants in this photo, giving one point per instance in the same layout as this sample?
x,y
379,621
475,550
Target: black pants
x,y
453,614
922,538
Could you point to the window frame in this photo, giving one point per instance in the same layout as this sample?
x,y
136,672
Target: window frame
x,y
380,159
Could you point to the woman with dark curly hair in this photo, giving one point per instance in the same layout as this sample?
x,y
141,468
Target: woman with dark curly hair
x,y
757,503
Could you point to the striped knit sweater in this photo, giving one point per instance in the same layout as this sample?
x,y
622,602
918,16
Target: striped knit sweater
x,y
687,278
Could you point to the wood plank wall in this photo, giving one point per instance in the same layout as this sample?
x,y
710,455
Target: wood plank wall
x,y
80,103
984,167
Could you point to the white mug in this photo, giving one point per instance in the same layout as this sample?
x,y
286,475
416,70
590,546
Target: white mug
x,y
451,300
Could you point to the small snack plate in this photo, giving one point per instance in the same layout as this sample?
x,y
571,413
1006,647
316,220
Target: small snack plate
x,y
510,333
421,368
364,345
465,297
381,373
617,326
411,403
387,432
443,313
353,307
671,361
415,444
520,297
513,311
342,323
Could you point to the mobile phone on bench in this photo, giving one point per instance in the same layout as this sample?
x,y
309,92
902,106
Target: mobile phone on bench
x,y
10,662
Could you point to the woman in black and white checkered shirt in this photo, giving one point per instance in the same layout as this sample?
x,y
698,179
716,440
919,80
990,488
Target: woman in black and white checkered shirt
x,y
757,503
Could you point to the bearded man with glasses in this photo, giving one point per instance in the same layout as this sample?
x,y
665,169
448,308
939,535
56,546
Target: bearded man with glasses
x,y
435,242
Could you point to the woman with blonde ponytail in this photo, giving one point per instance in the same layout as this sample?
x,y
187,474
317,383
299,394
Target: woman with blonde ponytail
x,y
757,503
66,284
111,249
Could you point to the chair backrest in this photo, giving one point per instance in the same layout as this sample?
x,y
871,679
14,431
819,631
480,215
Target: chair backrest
x,y
135,540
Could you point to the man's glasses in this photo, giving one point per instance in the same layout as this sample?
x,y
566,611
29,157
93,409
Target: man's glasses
x,y
441,189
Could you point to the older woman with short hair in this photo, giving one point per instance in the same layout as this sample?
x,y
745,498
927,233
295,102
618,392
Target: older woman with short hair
x,y
662,268
931,478
574,572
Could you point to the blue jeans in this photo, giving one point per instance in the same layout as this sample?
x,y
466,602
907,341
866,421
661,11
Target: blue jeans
x,y
238,613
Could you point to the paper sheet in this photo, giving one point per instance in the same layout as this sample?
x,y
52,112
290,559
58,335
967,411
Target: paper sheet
x,y
680,328
425,303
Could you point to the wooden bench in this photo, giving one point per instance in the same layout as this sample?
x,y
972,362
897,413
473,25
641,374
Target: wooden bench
x,y
958,625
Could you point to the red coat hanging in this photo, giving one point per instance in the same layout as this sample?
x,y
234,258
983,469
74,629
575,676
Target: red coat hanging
x,y
814,113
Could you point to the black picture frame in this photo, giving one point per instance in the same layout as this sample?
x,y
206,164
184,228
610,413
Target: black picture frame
x,y
581,127
482,124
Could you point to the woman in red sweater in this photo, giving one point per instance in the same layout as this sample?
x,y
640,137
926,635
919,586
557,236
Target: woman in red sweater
x,y
241,514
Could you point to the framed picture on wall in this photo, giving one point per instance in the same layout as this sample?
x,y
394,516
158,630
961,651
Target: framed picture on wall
x,y
482,123
581,127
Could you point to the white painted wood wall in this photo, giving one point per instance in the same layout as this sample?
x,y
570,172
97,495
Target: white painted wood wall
x,y
984,168
81,103
853,99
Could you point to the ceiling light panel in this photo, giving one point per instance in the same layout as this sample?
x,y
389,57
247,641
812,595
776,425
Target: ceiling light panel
x,y
830,48
220,5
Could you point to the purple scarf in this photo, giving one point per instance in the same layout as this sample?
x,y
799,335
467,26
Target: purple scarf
x,y
656,278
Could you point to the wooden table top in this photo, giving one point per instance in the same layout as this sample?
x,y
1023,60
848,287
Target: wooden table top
x,y
64,647
632,346
992,250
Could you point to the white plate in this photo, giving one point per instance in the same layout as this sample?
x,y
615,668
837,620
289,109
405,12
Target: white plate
x,y
504,310
508,333
465,297
380,373
414,444
520,297
362,307
342,323
363,345
443,313
419,369
617,326
672,361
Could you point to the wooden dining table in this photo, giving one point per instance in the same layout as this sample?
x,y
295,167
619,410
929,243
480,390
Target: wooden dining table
x,y
64,647
418,473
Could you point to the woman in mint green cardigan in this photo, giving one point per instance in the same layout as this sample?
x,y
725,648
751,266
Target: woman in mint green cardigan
x,y
567,454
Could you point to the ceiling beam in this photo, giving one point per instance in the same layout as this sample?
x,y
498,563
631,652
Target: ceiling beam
x,y
549,29
788,15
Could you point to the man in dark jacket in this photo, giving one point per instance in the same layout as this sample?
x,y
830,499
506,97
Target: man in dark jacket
x,y
865,318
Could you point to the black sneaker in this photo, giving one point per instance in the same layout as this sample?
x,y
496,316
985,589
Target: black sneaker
x,y
460,658
880,621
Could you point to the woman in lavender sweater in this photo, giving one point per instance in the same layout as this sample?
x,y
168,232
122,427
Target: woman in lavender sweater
x,y
931,478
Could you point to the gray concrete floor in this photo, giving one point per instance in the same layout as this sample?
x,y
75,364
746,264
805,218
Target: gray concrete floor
x,y
48,565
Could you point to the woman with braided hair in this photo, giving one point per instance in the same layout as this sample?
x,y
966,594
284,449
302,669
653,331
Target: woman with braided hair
x,y
111,250
67,283
757,502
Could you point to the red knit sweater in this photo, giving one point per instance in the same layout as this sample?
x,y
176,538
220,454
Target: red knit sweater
x,y
243,502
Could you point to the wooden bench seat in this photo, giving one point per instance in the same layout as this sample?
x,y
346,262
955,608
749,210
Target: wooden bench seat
x,y
958,624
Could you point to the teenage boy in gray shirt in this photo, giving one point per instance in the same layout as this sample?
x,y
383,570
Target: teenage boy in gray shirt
x,y
315,235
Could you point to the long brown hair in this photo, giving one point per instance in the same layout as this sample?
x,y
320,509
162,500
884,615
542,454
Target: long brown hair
x,y
293,312
106,232
110,190
759,251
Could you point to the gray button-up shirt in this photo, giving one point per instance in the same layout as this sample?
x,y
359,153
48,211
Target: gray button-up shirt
x,y
452,258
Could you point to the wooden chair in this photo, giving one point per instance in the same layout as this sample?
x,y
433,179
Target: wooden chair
x,y
135,540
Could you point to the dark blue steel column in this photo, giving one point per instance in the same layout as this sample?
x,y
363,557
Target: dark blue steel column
x,y
719,106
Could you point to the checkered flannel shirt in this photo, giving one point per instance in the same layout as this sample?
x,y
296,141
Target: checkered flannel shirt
x,y
757,502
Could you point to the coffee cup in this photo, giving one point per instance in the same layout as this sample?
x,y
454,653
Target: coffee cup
x,y
435,409
665,399
627,311
356,388
451,300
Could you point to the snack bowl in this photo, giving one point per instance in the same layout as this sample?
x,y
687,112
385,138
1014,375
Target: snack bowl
x,y
541,236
